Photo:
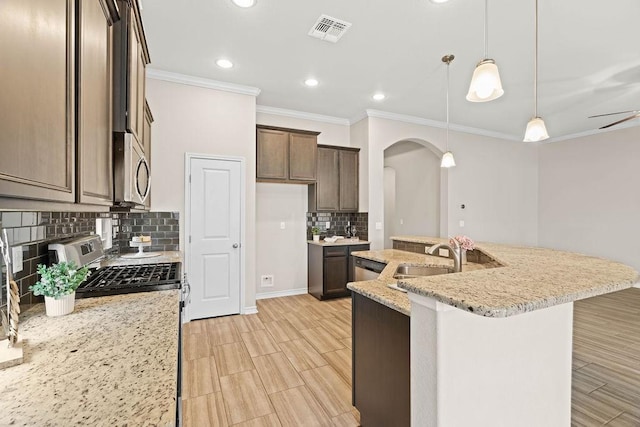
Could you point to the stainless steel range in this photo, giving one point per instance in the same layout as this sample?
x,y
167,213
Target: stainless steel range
x,y
122,279
114,279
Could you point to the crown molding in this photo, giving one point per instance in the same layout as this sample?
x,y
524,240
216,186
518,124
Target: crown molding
x,y
184,79
301,115
358,117
437,124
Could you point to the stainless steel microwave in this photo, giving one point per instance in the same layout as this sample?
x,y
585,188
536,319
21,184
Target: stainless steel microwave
x,y
132,179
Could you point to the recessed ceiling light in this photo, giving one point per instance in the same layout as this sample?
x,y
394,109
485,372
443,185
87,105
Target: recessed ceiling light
x,y
224,63
244,3
311,82
379,96
439,1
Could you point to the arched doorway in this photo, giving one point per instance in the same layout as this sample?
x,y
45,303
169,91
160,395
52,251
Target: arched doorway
x,y
412,190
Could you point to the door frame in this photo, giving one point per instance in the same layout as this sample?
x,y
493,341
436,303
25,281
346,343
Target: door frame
x,y
187,220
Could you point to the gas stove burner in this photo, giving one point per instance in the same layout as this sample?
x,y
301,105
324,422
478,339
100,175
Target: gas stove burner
x,y
120,279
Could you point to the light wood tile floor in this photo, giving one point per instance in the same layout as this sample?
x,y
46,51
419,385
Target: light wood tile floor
x,y
290,364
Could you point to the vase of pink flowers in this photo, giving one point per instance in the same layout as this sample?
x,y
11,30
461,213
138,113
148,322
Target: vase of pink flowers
x,y
465,243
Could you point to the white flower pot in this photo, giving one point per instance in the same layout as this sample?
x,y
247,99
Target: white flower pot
x,y
316,237
61,306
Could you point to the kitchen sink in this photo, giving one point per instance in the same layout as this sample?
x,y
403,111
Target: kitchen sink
x,y
406,271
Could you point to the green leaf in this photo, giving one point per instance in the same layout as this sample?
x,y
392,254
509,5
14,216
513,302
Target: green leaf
x,y
59,280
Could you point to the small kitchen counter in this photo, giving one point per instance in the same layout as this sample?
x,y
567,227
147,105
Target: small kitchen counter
x,y
113,361
340,242
164,257
528,279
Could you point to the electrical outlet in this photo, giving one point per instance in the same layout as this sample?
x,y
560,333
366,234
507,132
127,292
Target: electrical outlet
x,y
266,280
461,223
443,252
328,225
16,254
378,226
282,225
401,221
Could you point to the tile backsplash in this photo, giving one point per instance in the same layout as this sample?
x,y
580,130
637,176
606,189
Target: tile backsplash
x,y
163,227
338,221
33,231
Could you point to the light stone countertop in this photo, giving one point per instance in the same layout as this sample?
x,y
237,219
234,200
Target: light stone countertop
x,y
392,298
113,361
164,257
529,279
339,242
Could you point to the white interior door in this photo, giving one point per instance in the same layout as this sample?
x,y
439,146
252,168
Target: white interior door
x,y
214,237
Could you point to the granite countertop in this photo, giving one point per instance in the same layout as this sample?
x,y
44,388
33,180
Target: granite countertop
x,y
528,279
166,256
340,242
113,361
392,298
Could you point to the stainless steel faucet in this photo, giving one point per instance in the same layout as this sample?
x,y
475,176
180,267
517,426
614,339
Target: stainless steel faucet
x,y
454,253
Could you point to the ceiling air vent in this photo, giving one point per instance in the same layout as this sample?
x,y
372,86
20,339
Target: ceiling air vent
x,y
329,29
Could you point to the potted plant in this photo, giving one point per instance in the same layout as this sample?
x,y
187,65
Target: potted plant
x,y
316,234
58,284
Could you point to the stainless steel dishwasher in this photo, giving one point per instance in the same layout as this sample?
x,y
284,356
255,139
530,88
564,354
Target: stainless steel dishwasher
x,y
366,269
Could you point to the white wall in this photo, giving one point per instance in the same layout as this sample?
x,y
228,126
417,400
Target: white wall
x,y
204,121
330,133
360,139
496,180
416,192
389,182
283,253
590,195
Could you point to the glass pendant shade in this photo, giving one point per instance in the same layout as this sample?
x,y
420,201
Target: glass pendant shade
x,y
536,130
447,160
485,83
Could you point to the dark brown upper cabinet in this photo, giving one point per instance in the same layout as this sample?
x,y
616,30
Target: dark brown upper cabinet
x,y
56,75
286,155
95,137
336,189
131,56
37,105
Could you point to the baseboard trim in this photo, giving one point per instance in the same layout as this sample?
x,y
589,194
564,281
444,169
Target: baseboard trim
x,y
250,310
278,294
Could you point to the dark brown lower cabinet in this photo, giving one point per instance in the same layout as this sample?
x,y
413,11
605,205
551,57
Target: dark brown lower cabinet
x,y
381,364
330,269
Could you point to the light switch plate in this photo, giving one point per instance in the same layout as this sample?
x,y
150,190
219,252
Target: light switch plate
x,y
328,225
462,223
282,225
16,254
378,226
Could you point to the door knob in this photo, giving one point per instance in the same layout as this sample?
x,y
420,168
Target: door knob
x,y
235,246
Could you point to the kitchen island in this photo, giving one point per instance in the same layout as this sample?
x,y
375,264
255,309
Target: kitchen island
x,y
113,361
492,346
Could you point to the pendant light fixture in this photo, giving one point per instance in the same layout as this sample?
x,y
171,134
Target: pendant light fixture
x,y
536,130
485,83
447,158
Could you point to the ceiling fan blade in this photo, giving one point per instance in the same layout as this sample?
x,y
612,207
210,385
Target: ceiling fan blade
x,y
621,121
613,114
